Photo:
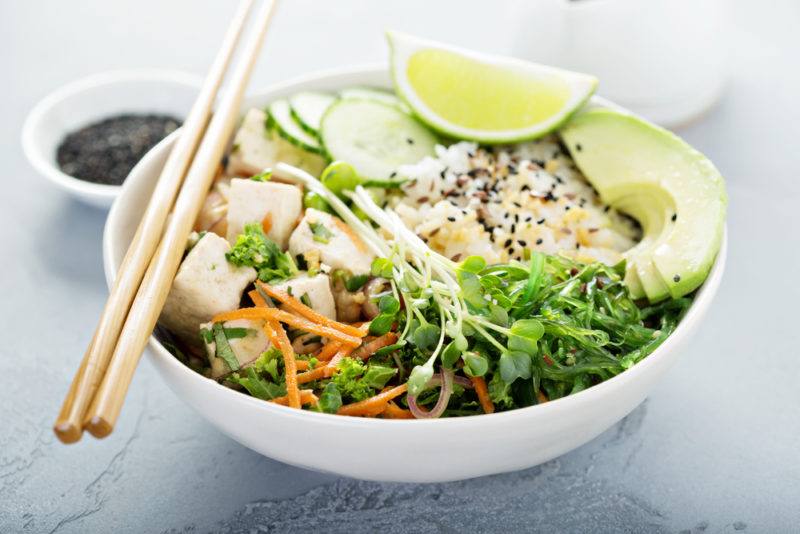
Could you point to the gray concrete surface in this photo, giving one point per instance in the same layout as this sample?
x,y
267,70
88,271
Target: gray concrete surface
x,y
714,448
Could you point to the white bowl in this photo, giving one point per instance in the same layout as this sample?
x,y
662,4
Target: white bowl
x,y
94,98
395,450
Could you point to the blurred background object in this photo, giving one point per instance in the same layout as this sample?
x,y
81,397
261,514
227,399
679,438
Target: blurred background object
x,y
664,59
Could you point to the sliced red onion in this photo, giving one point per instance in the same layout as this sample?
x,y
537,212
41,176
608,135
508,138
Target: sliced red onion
x,y
372,288
462,381
446,381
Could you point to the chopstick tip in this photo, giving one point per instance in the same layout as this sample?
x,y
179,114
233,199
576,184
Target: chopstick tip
x,y
98,427
67,432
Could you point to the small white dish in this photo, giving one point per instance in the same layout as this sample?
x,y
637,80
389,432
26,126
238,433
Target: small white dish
x,y
92,99
433,450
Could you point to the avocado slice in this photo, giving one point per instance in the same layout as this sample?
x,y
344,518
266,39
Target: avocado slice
x,y
674,191
652,211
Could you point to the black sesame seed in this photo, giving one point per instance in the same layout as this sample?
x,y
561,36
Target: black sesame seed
x,y
507,243
539,241
540,221
567,208
105,152
676,278
394,173
409,141
674,217
513,228
607,209
525,187
578,147
451,219
517,204
521,242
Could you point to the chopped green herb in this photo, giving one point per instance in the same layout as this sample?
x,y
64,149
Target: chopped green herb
x,y
224,349
356,282
265,176
320,233
237,333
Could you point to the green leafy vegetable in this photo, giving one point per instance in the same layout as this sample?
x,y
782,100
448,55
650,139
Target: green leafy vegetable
x,y
377,376
223,348
330,400
254,249
257,386
267,363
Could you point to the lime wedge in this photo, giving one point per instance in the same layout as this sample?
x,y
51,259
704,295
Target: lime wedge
x,y
484,98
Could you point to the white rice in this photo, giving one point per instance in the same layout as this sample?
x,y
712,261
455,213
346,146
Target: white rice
x,y
500,203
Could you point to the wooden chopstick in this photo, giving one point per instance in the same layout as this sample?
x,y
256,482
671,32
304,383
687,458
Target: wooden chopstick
x,y
69,424
143,315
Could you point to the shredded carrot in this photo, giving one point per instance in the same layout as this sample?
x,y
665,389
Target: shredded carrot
x,y
306,397
272,314
298,307
373,405
368,349
328,351
266,223
483,394
289,362
302,365
541,397
340,224
257,299
270,333
393,411
314,374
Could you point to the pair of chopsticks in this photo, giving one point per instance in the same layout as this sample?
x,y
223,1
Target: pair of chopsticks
x,y
144,279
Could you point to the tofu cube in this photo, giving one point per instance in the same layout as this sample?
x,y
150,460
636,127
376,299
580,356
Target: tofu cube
x,y
338,246
256,148
251,202
206,284
246,339
318,289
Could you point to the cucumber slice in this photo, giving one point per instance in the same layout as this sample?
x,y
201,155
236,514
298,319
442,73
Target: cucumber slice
x,y
307,108
371,93
280,119
374,137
